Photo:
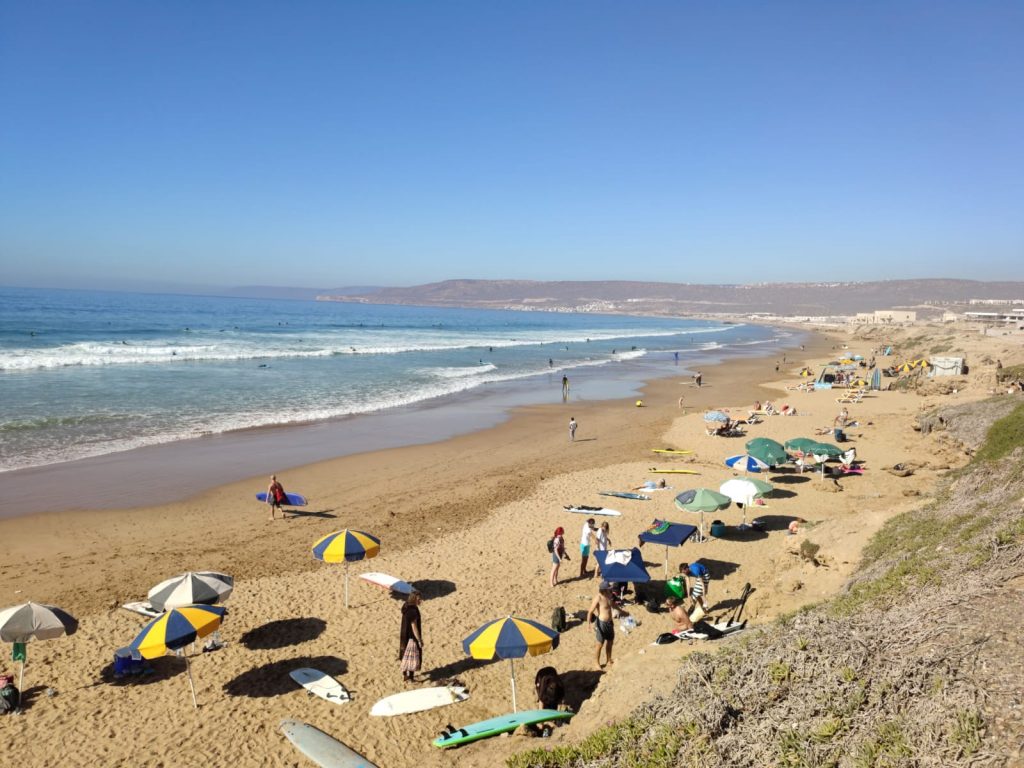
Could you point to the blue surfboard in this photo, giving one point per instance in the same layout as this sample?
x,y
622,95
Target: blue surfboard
x,y
294,499
487,728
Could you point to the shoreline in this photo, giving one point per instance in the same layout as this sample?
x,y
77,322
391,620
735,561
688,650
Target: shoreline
x,y
211,461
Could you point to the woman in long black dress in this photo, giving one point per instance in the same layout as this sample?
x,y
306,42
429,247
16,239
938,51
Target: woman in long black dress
x,y
411,637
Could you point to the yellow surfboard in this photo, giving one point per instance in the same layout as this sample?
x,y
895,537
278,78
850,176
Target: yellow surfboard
x,y
669,450
674,471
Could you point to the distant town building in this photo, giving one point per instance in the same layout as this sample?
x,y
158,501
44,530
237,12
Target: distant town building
x,y
1013,318
995,302
885,317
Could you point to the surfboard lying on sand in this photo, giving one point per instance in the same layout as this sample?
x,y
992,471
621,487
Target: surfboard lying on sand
x,y
625,495
142,608
669,450
674,471
320,684
503,724
294,499
326,751
419,700
388,582
581,509
701,631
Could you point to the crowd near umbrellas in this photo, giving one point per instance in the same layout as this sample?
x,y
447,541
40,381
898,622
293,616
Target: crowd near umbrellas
x,y
669,534
767,450
745,462
206,587
716,416
702,500
743,490
510,638
622,565
176,629
34,621
348,547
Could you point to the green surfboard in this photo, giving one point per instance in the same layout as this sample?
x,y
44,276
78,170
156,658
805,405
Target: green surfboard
x,y
503,724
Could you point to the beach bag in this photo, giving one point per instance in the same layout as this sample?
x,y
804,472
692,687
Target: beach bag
x,y
10,698
551,545
558,619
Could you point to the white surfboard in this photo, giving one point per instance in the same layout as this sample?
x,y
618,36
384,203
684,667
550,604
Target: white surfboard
x,y
144,609
388,582
326,751
592,510
416,701
319,684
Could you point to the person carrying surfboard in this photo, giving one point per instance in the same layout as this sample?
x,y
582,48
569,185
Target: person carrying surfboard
x,y
276,497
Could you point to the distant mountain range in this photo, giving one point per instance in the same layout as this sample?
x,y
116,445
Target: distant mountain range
x,y
787,299
285,292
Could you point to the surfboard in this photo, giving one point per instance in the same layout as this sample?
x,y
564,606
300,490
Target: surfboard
x,y
388,582
625,495
145,609
583,510
674,471
326,751
503,724
720,630
320,684
670,451
419,700
294,499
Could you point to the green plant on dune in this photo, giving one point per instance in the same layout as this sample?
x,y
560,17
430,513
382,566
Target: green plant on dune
x,y
1003,436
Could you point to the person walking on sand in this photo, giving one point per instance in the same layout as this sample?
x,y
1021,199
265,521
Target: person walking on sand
x,y
600,618
410,638
698,378
276,497
602,543
565,387
557,553
572,429
586,536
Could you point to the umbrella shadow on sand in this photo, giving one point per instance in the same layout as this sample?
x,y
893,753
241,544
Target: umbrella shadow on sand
x,y
273,679
162,668
456,668
789,480
283,633
431,588
325,513
719,568
776,522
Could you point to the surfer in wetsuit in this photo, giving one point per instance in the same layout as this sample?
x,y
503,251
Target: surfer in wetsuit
x,y
276,497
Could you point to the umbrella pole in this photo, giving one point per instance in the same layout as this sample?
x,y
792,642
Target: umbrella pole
x,y
512,669
346,583
21,677
192,685
666,561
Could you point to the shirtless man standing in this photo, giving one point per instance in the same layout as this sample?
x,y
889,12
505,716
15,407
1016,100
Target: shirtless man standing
x,y
600,617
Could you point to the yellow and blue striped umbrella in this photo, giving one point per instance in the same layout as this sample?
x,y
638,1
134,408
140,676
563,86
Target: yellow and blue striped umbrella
x,y
176,629
346,547
510,638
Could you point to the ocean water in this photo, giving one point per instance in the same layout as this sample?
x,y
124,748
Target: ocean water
x,y
84,374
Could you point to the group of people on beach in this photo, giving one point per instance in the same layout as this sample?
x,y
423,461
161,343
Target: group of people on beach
x,y
593,538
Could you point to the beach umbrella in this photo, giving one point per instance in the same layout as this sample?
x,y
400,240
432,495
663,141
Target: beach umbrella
x,y
206,587
806,372
510,638
702,500
622,565
33,621
716,416
743,490
827,449
348,547
746,462
669,534
800,444
767,450
176,629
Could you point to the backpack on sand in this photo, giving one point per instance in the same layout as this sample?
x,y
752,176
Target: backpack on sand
x,y
558,619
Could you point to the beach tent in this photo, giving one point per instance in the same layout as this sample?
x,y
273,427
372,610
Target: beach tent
x,y
669,534
622,565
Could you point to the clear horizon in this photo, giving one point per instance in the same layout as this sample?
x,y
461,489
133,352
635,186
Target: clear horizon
x,y
329,145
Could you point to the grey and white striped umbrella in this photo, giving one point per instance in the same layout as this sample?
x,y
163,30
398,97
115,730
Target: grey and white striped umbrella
x,y
33,621
204,587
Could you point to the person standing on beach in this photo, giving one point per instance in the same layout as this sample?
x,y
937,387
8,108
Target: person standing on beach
x,y
565,387
600,618
572,429
410,638
557,553
585,541
698,378
701,581
276,497
602,543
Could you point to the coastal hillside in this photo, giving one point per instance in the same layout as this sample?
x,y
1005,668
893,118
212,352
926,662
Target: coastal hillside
x,y
919,662
783,298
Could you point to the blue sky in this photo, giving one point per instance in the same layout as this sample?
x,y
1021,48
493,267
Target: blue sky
x,y
326,144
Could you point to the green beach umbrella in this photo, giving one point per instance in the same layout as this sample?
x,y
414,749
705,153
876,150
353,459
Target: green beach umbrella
x,y
702,500
801,444
767,450
827,449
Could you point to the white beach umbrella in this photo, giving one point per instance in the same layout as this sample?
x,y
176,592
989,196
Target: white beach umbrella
x,y
34,621
191,588
743,490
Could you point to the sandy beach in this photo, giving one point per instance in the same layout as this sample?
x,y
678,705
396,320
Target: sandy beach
x,y
465,520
